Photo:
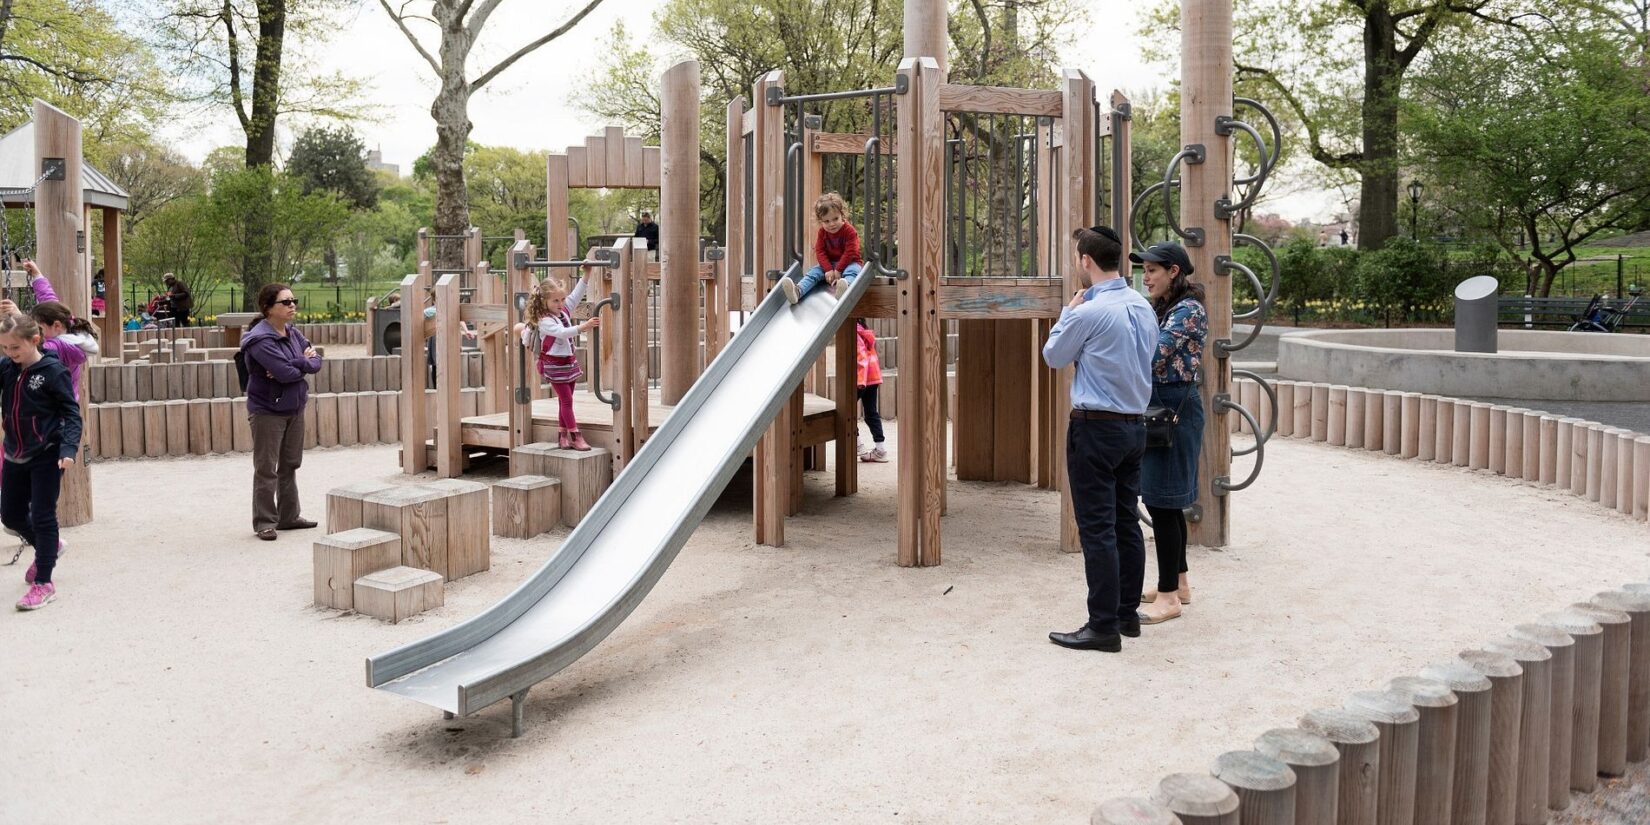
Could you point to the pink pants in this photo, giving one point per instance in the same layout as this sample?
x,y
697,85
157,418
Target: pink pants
x,y
564,401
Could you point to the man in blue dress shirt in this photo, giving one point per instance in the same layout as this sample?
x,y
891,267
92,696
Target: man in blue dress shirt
x,y
1109,332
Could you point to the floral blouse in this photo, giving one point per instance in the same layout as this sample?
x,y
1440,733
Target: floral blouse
x,y
1180,343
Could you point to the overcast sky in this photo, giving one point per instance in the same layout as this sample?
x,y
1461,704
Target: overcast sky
x,y
528,107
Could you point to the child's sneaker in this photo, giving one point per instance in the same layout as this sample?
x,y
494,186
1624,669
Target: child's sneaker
x,y
792,293
840,288
39,596
28,578
875,456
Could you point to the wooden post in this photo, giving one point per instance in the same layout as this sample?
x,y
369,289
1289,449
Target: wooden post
x,y
679,230
925,32
1641,478
1532,445
1515,442
1435,751
1265,787
1360,766
1637,608
1469,782
1479,458
1392,420
1315,763
1426,428
1340,409
1409,439
1321,413
1563,452
1206,96
1578,456
1586,658
1443,443
1534,728
1302,412
1357,412
1076,211
771,469
1547,449
1374,420
113,266
1461,437
1609,468
1624,471
415,411
927,261
449,441
61,242
1286,407
1132,811
1561,698
1198,799
1506,709
1613,677
1398,724
1595,458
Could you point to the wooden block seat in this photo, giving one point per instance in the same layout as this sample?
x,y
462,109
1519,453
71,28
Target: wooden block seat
x,y
418,515
526,506
342,558
583,475
344,504
469,533
398,593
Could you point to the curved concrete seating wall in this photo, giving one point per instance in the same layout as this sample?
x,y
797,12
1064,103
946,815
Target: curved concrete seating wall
x,y
1537,366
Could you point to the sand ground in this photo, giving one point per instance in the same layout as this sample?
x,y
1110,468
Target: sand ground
x,y
183,674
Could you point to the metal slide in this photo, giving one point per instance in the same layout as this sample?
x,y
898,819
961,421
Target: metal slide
x,y
607,565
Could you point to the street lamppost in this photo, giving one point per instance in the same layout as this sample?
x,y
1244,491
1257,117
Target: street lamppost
x,y
1415,189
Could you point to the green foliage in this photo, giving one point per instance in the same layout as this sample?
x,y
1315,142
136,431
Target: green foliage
x,y
334,160
300,223
1402,278
182,238
153,176
506,190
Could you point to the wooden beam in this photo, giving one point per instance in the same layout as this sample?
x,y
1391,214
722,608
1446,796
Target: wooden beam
x,y
734,265
595,175
578,167
845,389
1122,177
847,143
929,200
987,302
679,239
60,224
613,139
879,301
652,164
908,505
633,163
1001,100
637,336
449,384
772,471
1077,210
113,266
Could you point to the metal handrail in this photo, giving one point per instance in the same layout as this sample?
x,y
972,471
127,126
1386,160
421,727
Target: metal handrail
x,y
792,153
1272,394
522,395
873,205
1194,153
611,399
1225,266
1221,485
1271,299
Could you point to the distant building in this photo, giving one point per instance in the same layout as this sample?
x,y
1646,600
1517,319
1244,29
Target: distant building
x,y
375,162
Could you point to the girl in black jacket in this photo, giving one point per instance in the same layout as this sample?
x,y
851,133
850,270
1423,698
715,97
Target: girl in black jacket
x,y
41,419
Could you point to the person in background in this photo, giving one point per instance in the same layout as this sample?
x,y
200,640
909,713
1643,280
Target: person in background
x,y
100,292
1168,475
1108,333
646,228
180,299
870,386
278,357
42,438
551,332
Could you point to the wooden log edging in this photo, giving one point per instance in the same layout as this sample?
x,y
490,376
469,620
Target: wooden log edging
x,y
216,378
1500,735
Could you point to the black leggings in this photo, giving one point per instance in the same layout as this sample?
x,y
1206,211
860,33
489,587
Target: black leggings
x,y
1169,528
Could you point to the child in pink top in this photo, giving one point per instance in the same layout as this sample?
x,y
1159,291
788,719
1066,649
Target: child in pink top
x,y
73,340
869,376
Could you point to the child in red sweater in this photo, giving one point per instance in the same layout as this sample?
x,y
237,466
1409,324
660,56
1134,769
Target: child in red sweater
x,y
836,248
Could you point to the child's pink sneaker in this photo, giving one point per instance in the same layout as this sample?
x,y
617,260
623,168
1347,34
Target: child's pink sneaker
x,y
39,596
28,578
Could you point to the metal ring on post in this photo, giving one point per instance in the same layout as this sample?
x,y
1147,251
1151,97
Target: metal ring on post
x,y
1271,395
1225,266
1259,178
1271,120
1195,154
1137,209
1221,485
610,399
1277,273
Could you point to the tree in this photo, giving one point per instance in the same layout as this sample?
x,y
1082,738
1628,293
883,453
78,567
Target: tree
x,y
1538,139
179,237
335,160
258,199
460,23
153,176
72,54
213,41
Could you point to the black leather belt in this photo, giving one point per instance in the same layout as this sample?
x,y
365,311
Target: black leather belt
x,y
1101,415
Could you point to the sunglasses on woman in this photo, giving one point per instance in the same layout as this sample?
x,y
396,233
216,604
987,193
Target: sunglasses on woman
x,y
291,302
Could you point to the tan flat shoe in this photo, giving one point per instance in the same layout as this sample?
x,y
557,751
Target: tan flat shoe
x,y
1147,618
1150,596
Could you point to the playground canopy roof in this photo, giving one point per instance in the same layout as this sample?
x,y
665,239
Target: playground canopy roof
x,y
18,174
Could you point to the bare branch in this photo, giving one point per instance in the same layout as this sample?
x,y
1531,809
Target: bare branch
x,y
228,18
401,23
1344,160
528,49
479,19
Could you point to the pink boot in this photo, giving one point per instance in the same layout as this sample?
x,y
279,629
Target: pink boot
x,y
579,443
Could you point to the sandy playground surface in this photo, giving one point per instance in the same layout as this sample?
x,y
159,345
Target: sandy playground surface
x,y
183,675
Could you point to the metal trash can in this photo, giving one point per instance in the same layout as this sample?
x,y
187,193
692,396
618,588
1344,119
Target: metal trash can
x,y
1475,314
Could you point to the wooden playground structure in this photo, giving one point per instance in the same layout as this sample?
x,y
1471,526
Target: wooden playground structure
x,y
1009,412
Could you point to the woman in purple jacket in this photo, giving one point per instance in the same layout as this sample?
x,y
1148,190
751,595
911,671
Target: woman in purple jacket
x,y
277,359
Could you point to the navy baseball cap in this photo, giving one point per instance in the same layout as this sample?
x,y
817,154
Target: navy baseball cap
x,y
1171,254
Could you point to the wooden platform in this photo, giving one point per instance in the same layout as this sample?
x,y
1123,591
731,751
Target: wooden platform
x,y
493,431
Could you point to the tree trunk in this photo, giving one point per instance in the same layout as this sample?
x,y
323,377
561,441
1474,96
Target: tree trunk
x,y
257,263
1378,193
451,111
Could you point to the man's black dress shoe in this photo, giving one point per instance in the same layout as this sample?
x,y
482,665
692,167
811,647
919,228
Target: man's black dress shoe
x,y
1129,627
1087,638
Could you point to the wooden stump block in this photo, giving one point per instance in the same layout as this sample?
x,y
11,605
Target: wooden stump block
x,y
1320,412
1534,727
223,428
1497,446
1198,799
108,431
1360,765
1132,811
1563,452
1625,471
200,426
1316,765
1302,412
419,516
242,424
326,418
1637,608
1374,420
1469,783
1439,712
1265,787
469,530
1506,709
526,506
398,593
1357,409
1587,659
311,429
1615,656
342,558
1513,458
1532,445
1479,458
1426,428
154,429
389,416
1392,421
346,504
1460,433
1595,457
1398,723
366,417
583,475
131,429
1547,458
1609,467
1339,410
177,427
1561,704
1286,407
1641,478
